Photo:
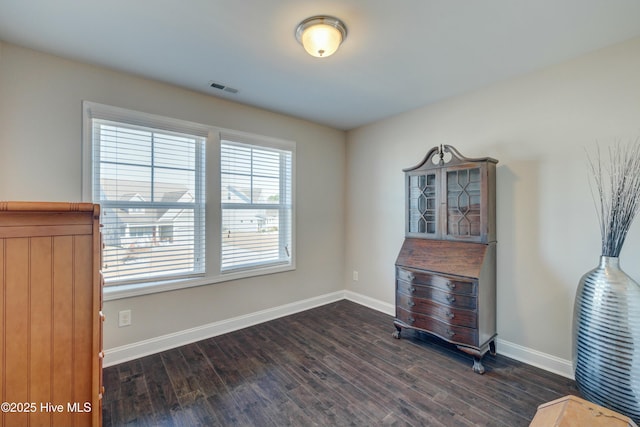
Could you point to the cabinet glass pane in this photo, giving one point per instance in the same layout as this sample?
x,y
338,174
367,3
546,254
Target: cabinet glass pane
x,y
463,202
422,204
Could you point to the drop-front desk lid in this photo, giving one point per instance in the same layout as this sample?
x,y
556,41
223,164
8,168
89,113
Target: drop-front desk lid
x,y
457,258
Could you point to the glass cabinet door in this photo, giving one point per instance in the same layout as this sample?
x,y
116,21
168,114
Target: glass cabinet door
x,y
463,203
422,204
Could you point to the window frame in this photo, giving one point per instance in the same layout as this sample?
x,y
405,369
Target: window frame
x,y
213,208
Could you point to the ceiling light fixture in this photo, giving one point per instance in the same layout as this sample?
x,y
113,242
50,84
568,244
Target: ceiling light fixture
x,y
321,35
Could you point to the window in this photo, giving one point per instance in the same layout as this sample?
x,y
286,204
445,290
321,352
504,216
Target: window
x,y
149,175
149,182
256,205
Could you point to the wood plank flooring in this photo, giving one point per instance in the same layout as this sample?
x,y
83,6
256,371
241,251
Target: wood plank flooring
x,y
336,365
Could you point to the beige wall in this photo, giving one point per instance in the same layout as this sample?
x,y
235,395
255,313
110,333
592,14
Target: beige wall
x,y
538,127
40,159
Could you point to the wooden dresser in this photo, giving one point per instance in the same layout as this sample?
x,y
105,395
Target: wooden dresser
x,y
50,310
446,268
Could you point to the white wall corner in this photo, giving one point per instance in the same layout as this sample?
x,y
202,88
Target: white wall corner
x,y
136,350
372,303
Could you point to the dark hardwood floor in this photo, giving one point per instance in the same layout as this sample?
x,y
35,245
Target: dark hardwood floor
x,y
331,366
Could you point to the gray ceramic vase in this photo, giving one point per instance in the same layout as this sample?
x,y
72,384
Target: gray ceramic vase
x,y
606,338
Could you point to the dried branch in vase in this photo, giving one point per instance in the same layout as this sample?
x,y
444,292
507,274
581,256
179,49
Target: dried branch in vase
x,y
617,193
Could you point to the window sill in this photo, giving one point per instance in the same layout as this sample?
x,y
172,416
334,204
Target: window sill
x,y
115,292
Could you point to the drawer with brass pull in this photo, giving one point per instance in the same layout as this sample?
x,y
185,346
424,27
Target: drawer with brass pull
x,y
451,333
450,315
440,281
429,292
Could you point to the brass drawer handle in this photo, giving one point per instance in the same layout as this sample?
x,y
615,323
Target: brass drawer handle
x,y
450,333
450,315
412,320
451,286
451,299
410,277
412,289
412,304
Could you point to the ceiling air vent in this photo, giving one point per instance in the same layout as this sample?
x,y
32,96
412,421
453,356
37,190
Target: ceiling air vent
x,y
223,87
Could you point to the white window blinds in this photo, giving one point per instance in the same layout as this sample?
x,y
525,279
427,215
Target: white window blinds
x,y
256,200
150,185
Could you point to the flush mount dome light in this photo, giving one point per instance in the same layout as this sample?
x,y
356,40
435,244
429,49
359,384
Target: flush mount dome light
x,y
321,35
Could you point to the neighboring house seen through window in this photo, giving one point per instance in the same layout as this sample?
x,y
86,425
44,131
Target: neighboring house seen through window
x,y
150,185
161,229
256,205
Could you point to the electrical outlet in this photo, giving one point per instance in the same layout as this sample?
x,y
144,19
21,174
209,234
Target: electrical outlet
x,y
124,318
355,276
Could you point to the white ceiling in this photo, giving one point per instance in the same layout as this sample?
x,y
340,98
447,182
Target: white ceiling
x,y
398,55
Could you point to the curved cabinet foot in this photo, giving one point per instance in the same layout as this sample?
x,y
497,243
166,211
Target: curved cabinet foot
x,y
396,334
477,354
478,368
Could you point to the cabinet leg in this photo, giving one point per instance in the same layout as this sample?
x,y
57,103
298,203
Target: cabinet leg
x,y
478,368
396,334
492,348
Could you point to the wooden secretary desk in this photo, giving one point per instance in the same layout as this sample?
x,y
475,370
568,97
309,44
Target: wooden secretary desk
x,y
50,313
446,268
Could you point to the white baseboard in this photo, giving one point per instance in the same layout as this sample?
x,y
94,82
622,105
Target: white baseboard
x,y
372,303
536,358
515,351
143,348
165,342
